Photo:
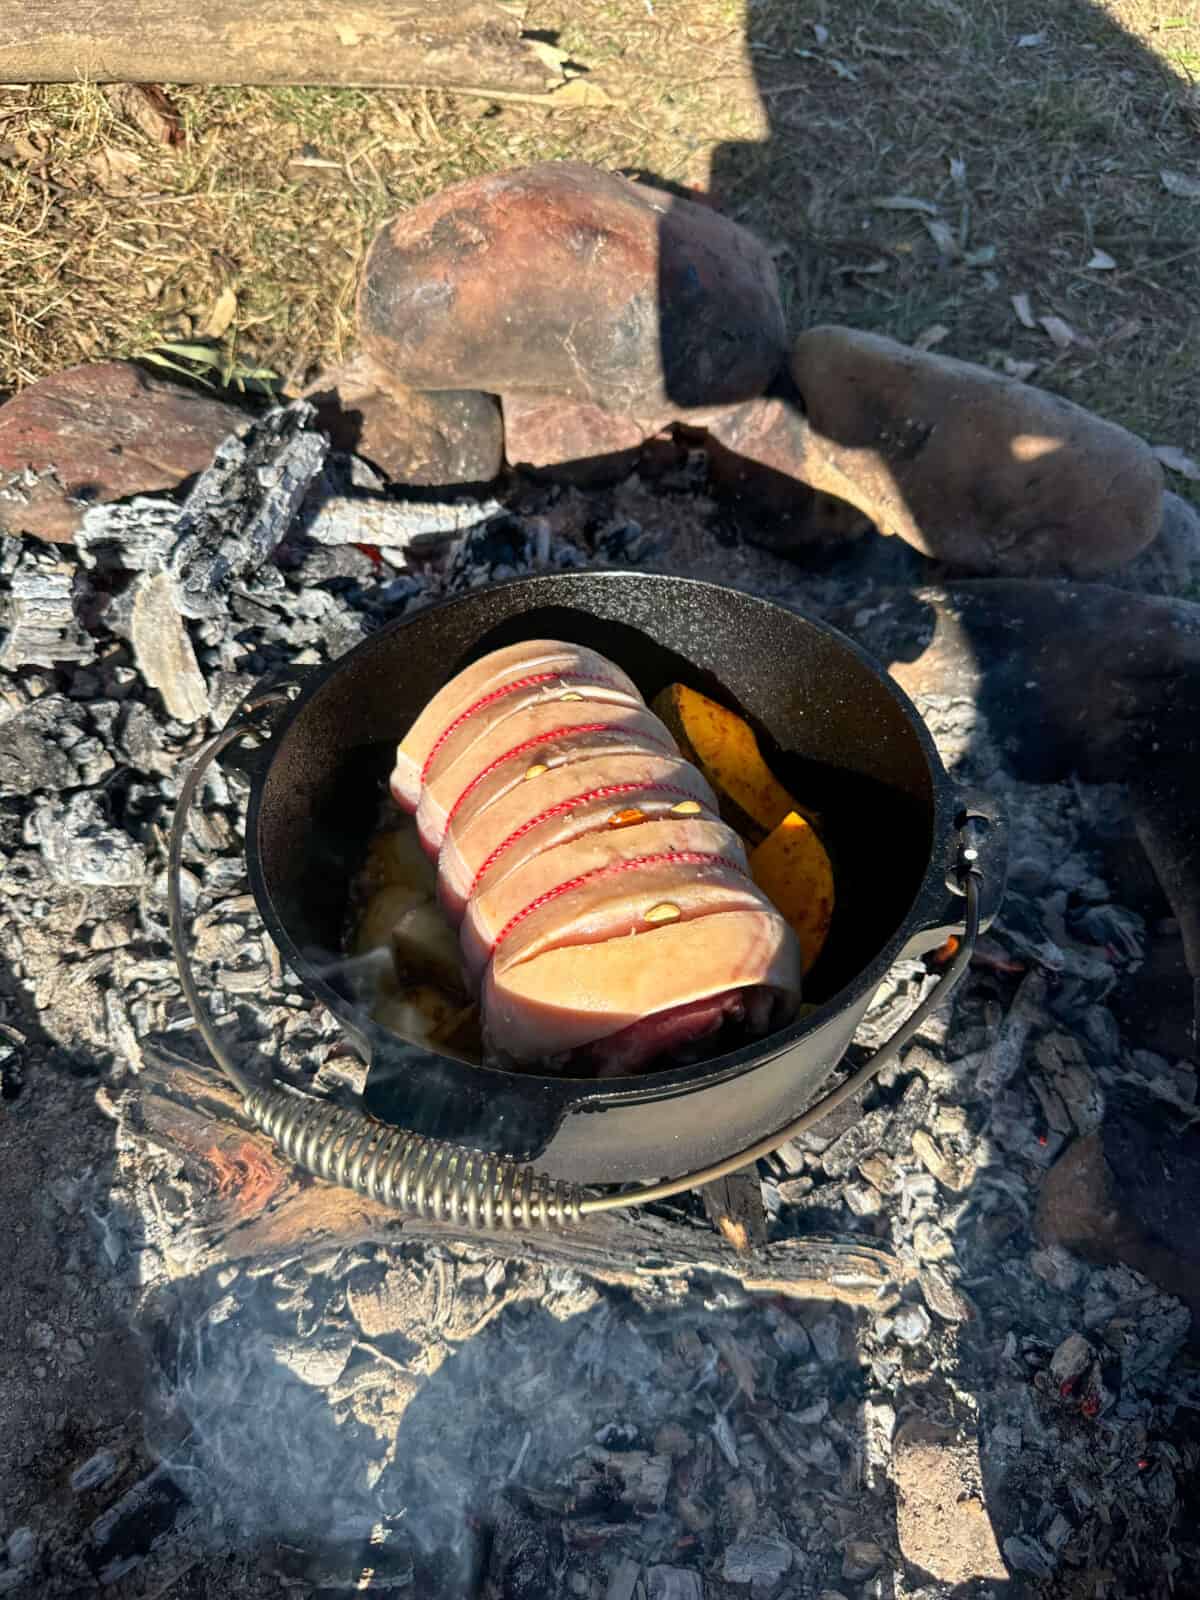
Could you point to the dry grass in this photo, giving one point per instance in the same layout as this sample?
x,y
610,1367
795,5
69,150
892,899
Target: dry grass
x,y
800,114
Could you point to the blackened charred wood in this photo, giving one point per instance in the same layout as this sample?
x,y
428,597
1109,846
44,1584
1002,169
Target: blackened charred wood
x,y
734,1206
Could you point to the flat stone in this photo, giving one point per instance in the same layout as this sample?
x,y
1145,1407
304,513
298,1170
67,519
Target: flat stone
x,y
164,652
100,432
975,469
569,441
758,456
432,439
563,279
941,1518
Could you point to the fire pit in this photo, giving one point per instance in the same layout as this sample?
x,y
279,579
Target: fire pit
x,y
917,861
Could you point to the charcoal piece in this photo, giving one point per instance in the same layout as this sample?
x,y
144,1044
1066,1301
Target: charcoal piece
x,y
128,1531
522,1559
39,617
762,1559
499,549
80,847
911,1324
95,1472
33,756
142,741
623,1580
242,507
859,1139
1024,1554
135,536
1007,1051
673,1583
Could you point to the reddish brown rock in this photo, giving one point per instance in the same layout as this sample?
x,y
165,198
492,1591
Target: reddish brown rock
x,y
758,458
563,279
1129,1193
568,441
970,467
432,439
100,432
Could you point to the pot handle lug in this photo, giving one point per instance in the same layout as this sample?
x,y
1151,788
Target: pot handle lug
x,y
979,844
256,715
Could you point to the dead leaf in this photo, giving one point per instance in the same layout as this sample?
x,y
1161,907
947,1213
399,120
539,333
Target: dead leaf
x,y
904,202
982,257
958,172
820,33
857,269
575,93
148,108
221,314
1022,371
579,92
1101,262
1173,458
1030,41
114,170
930,336
1129,329
1024,310
943,236
548,54
1060,332
1181,184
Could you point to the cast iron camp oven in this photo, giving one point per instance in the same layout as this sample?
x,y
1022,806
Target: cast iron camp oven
x,y
915,860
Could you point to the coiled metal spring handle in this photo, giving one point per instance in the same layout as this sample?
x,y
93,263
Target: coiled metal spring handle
x,y
445,1182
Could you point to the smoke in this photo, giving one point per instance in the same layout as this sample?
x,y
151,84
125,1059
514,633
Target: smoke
x,y
373,1411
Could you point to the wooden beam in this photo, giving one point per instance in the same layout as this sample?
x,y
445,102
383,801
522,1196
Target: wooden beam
x,y
450,44
244,1202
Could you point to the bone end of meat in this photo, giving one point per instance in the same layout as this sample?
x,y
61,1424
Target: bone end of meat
x,y
575,997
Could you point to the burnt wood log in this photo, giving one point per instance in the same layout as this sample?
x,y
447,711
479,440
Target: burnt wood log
x,y
734,1206
246,1202
448,44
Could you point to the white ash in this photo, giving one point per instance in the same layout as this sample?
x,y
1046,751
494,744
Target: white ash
x,y
429,1414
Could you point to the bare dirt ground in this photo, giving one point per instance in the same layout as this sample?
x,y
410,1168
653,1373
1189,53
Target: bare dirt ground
x,y
984,178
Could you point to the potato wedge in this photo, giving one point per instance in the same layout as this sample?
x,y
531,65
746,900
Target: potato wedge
x,y
792,869
425,948
416,1014
384,910
396,858
723,746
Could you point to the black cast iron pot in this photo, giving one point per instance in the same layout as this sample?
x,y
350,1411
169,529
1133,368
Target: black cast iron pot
x,y
838,731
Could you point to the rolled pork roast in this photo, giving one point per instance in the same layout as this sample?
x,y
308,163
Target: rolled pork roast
x,y
607,915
